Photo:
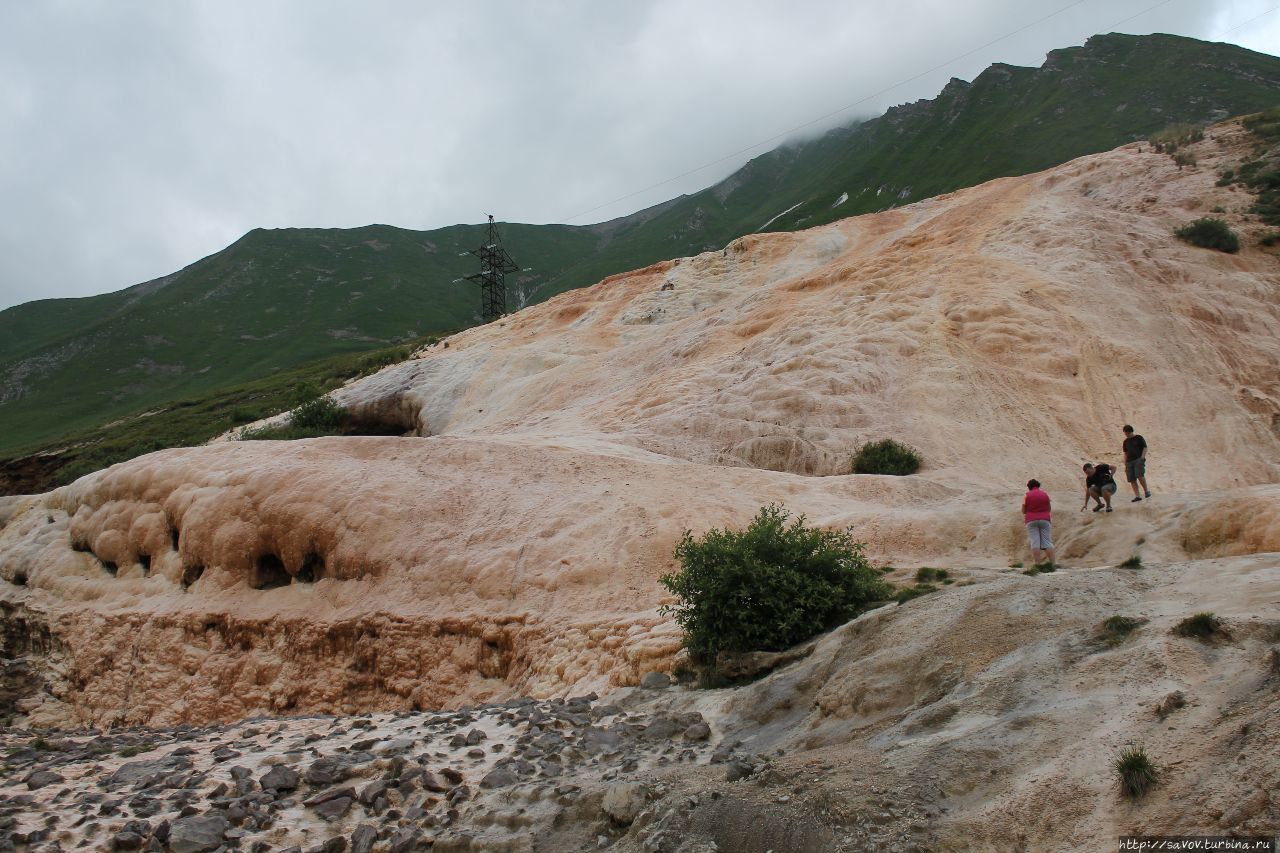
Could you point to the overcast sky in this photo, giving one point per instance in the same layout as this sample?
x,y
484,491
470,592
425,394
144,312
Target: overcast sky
x,y
137,137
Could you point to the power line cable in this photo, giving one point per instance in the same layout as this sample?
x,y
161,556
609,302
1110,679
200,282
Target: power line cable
x,y
847,107
1246,23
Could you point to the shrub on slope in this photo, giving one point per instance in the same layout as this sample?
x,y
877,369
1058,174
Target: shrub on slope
x,y
768,587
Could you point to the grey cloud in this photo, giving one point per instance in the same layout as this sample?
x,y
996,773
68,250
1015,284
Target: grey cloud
x,y
136,137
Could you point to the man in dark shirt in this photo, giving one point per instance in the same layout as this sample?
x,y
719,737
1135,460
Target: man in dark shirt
x,y
1135,462
1099,484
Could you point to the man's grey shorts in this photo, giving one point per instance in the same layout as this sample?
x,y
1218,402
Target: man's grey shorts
x,y
1135,468
1038,533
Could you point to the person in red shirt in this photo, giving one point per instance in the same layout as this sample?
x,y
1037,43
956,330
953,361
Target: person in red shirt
x,y
1037,514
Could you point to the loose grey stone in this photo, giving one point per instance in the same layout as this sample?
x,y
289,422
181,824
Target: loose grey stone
x,y
334,809
499,777
737,769
600,740
40,778
697,731
127,841
325,771
655,681
372,791
436,784
623,801
660,728
404,840
475,736
143,772
280,778
197,834
363,838
331,794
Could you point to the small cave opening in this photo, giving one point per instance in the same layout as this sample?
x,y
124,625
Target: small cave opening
x,y
173,537
81,545
144,560
19,578
312,569
269,573
191,574
109,567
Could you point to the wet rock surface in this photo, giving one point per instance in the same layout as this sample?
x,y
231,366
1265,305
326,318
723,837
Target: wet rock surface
x,y
490,777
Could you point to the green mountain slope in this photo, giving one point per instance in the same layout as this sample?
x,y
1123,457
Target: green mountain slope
x,y
1008,121
278,299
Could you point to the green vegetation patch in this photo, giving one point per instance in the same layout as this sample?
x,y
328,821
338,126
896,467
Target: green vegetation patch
x,y
886,457
319,415
907,593
1115,629
188,422
1200,626
1136,772
768,587
1134,562
1262,174
1209,233
1175,136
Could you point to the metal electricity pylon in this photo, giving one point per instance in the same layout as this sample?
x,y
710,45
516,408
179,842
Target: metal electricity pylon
x,y
495,263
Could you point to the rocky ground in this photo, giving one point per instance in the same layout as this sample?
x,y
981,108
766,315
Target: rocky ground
x,y
496,777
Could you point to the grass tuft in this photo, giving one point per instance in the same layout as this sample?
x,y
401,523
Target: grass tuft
x,y
1200,626
1134,562
1136,771
1114,629
909,592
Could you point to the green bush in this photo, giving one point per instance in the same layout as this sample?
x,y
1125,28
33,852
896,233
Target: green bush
x,y
1136,772
317,416
318,413
1134,562
1209,234
886,457
1269,239
767,587
1185,158
926,574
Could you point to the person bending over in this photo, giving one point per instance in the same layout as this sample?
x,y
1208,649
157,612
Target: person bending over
x,y
1099,484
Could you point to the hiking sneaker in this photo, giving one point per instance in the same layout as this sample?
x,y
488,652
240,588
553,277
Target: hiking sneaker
x,y
1135,500
1108,509
1148,494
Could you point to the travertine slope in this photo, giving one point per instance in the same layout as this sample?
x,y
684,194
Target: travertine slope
x,y
510,542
